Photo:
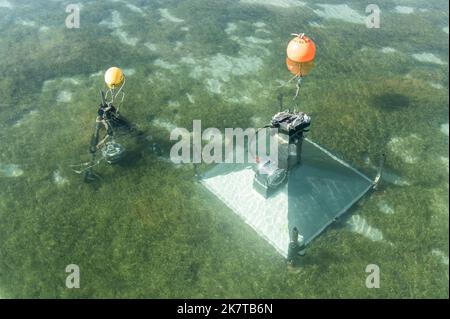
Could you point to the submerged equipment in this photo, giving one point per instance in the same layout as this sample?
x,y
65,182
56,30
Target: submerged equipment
x,y
268,177
108,118
291,203
314,189
291,128
296,248
113,152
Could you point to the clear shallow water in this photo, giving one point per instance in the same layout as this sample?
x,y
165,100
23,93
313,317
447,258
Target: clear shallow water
x,y
147,229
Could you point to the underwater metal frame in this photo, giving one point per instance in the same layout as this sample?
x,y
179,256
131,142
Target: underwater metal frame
x,y
319,190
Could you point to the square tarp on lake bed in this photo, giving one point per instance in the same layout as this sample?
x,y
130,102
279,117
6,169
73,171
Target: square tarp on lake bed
x,y
319,190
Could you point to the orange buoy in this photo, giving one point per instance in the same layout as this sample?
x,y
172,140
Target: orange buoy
x,y
301,49
299,68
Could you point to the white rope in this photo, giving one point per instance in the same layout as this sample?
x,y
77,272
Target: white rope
x,y
87,167
298,88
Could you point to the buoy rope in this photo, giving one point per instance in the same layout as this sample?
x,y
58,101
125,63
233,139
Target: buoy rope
x,y
114,95
123,93
299,35
290,80
297,85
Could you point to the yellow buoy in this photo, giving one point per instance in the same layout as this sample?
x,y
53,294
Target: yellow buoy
x,y
114,77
